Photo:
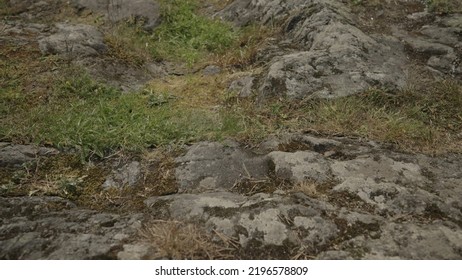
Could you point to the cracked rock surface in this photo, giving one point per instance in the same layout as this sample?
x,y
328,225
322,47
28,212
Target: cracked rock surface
x,y
293,195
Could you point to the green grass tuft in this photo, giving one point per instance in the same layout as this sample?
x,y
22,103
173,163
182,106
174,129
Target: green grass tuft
x,y
186,35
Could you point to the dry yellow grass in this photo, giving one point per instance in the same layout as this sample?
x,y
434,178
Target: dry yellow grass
x,y
309,188
180,240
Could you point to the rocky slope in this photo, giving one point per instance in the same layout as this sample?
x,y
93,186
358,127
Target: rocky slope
x,y
295,195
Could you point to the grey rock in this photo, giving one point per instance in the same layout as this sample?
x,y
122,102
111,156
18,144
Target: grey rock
x,y
211,70
440,44
298,142
419,15
334,255
15,155
390,198
448,64
267,220
79,40
54,228
444,35
333,58
125,176
452,21
116,10
424,47
381,169
348,64
139,251
209,166
411,241
156,70
300,166
242,86
243,12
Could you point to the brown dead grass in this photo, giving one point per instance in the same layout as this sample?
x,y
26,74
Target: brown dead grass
x,y
244,54
179,240
308,188
192,91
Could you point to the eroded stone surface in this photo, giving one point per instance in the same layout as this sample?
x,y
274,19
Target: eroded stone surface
x,y
333,57
374,204
15,155
300,166
125,176
411,241
211,166
77,40
54,228
257,221
369,188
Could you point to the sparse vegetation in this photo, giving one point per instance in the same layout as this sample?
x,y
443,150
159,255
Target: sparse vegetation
x,y
71,110
445,6
179,240
68,104
97,119
186,35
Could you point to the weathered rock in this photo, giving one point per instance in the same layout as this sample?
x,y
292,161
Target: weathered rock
x,y
411,241
334,58
390,198
444,35
260,221
341,61
139,251
243,12
242,86
300,166
15,155
293,142
378,204
438,43
77,40
125,176
147,11
211,70
379,168
213,166
53,228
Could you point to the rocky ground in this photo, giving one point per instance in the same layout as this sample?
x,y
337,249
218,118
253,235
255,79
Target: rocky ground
x,y
294,195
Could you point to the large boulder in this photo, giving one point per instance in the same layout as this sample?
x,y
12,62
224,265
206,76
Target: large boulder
x,y
332,57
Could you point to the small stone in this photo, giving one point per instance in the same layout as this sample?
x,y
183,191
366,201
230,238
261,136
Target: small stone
x,y
211,70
